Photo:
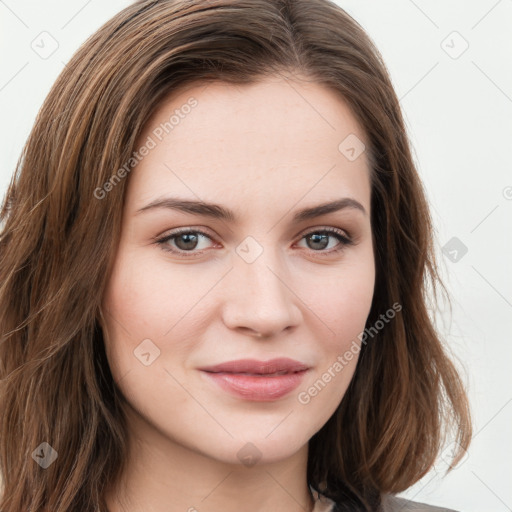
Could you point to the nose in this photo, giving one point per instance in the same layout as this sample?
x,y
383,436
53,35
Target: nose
x,y
261,299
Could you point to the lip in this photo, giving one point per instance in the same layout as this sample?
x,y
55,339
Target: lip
x,y
260,381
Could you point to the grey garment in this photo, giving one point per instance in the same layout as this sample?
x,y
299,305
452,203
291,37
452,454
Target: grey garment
x,y
394,504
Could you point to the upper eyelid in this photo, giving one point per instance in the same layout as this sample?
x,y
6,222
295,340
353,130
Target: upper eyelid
x,y
205,232
333,231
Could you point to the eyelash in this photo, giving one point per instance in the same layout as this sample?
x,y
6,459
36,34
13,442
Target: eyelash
x,y
338,234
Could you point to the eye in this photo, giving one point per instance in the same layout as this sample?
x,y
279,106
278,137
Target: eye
x,y
187,240
319,240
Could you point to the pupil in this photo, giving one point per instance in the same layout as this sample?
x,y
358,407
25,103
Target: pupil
x,y
316,238
188,239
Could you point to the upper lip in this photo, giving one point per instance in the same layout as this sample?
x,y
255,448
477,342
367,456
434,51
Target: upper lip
x,y
253,366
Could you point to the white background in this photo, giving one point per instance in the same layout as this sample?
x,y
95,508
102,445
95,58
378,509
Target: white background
x,y
459,116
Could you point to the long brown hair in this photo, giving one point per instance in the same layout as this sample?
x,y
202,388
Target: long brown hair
x,y
58,242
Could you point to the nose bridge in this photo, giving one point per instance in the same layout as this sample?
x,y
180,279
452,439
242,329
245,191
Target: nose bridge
x,y
261,298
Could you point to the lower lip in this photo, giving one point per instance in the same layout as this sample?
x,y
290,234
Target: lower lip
x,y
257,388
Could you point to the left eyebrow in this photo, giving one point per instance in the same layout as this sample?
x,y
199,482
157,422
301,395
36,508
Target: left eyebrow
x,y
220,212
324,209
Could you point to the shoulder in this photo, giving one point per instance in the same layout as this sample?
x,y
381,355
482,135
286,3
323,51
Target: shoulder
x,y
394,504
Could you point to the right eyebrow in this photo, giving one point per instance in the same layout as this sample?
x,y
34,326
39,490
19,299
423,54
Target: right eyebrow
x,y
194,207
220,212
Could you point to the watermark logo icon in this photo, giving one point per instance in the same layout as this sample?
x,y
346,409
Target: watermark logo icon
x,y
147,352
249,455
449,453
249,249
454,45
454,249
352,147
45,45
45,455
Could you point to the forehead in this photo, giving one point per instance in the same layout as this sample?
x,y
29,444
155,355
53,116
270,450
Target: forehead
x,y
267,139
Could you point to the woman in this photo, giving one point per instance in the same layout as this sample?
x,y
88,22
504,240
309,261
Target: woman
x,y
214,262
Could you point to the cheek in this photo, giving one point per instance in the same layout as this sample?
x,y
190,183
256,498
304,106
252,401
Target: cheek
x,y
341,305
341,300
148,298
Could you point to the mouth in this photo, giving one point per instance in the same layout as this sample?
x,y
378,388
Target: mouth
x,y
279,366
259,381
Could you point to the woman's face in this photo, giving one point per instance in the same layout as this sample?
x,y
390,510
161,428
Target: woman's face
x,y
175,307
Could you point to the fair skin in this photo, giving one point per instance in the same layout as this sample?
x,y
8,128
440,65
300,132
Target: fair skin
x,y
264,151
